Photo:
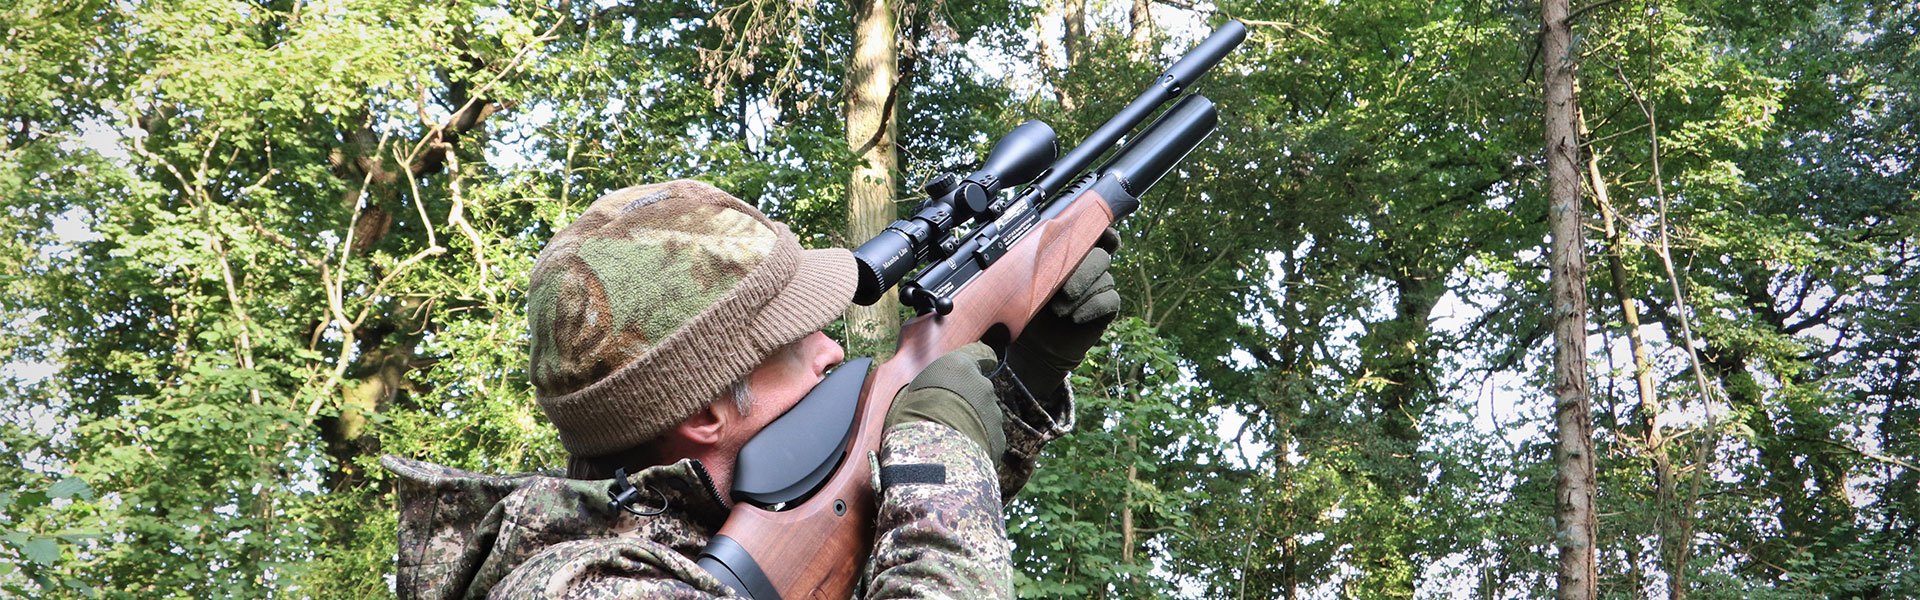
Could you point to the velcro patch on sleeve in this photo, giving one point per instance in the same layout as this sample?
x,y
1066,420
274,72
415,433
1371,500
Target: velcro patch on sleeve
x,y
892,475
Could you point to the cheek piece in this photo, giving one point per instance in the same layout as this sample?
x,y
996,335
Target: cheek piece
x,y
789,459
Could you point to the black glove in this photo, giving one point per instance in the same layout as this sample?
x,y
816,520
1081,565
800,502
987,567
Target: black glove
x,y
954,391
1058,337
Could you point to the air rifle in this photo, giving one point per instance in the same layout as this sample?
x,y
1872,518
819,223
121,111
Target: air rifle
x,y
802,522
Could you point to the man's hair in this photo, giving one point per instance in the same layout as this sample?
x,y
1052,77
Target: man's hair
x,y
743,394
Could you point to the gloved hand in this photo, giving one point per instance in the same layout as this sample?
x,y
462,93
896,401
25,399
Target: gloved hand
x,y
1058,337
954,391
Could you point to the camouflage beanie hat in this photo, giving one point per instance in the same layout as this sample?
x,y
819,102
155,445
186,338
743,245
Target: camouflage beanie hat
x,y
656,299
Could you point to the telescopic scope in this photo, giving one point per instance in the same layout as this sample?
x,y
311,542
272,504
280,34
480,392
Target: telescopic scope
x,y
1017,158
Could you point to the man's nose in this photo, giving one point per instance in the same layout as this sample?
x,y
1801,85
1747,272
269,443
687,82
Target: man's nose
x,y
832,354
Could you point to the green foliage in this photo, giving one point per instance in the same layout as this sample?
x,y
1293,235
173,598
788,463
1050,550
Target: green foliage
x,y
39,530
1071,538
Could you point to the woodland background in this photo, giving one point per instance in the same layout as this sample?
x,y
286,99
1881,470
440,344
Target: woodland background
x,y
248,247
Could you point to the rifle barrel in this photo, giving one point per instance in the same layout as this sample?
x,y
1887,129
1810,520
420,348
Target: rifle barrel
x,y
1166,87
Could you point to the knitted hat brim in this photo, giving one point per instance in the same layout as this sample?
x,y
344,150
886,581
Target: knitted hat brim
x,y
820,291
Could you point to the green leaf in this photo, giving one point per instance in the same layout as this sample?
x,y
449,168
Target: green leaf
x,y
30,500
41,550
69,487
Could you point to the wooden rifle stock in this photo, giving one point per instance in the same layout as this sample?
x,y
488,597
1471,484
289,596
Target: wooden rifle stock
x,y
817,548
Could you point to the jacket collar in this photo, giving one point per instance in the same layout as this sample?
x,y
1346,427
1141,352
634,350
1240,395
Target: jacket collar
x,y
687,490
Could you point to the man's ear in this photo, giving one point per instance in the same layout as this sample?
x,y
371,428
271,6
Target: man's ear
x,y
707,427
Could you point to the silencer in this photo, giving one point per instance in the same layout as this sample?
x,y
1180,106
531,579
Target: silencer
x,y
1164,89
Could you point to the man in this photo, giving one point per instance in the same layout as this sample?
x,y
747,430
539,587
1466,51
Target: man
x,y
670,323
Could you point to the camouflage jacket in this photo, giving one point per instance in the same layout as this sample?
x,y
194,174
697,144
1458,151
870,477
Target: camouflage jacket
x,y
541,535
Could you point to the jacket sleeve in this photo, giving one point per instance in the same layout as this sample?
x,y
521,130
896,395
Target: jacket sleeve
x,y
1030,423
941,533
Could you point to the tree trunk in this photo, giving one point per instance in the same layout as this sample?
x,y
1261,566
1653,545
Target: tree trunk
x,y
1073,19
871,131
1140,35
1075,26
1574,488
1653,440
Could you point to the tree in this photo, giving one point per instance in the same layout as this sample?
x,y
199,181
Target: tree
x,y
872,89
1574,487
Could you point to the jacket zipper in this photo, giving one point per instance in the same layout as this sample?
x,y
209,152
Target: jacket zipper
x,y
713,491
